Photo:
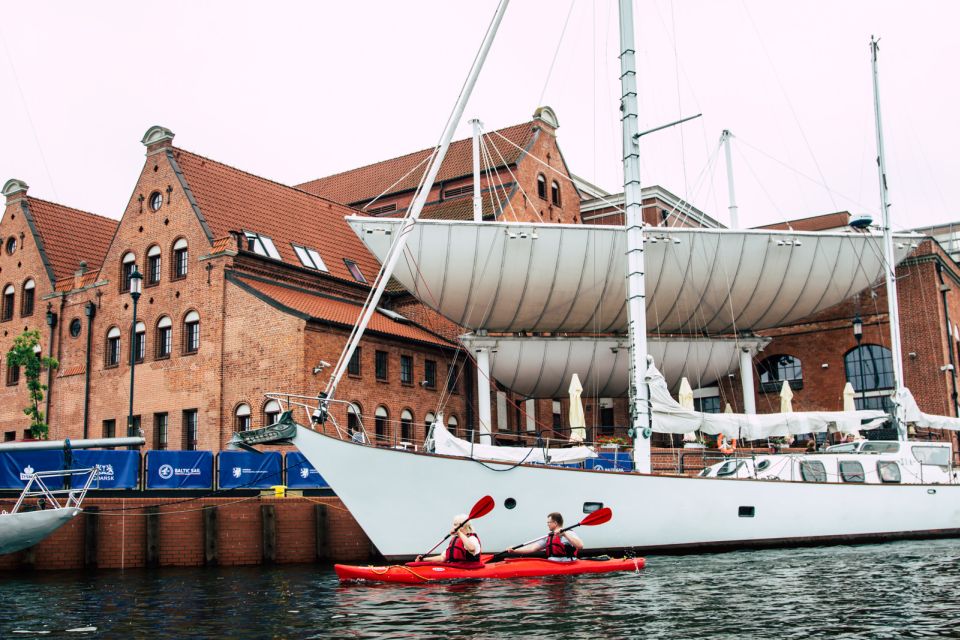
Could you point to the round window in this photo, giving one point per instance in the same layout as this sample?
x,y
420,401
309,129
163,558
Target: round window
x,y
156,200
11,245
510,503
763,464
75,327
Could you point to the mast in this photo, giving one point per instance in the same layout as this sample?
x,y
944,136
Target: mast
x,y
396,249
890,270
477,202
636,287
734,218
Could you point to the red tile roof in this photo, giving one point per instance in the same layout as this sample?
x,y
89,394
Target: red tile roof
x,y
335,310
461,208
365,183
234,200
70,235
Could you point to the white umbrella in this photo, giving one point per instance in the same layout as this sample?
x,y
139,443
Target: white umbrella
x,y
578,424
728,408
786,398
685,398
848,398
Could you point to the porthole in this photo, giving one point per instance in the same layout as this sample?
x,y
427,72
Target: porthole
x,y
509,503
75,327
156,200
763,464
11,245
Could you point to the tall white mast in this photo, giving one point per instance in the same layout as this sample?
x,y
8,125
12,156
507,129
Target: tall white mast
x,y
636,287
396,249
734,218
477,202
893,305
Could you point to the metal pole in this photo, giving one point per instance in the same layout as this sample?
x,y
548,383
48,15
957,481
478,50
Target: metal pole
x,y
477,201
746,381
133,366
484,418
893,305
734,220
636,287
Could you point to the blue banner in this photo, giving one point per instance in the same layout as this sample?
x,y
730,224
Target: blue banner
x,y
115,469
16,467
612,461
246,470
301,474
179,470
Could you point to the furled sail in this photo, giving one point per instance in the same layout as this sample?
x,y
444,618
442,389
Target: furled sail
x,y
912,414
447,444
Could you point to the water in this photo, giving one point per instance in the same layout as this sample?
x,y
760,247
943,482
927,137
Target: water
x,y
898,590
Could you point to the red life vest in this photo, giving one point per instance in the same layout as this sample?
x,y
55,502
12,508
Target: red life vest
x,y
557,548
457,552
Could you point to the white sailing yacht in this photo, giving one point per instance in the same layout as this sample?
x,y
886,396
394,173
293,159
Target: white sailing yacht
x,y
573,279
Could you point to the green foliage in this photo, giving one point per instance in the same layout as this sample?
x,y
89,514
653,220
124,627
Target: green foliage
x,y
23,354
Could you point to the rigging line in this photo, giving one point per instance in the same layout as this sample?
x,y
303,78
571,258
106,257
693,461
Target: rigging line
x,y
783,90
399,180
763,188
701,180
676,71
26,109
556,52
496,181
516,181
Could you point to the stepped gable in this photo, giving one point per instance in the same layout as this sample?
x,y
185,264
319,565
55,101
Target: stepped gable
x,y
366,183
315,306
234,200
70,235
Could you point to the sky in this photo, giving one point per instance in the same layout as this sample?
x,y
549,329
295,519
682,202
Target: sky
x,y
294,91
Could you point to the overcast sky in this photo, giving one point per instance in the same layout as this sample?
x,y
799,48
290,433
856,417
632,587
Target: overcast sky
x,y
298,90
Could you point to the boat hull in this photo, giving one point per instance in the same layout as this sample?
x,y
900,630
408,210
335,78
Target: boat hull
x,y
403,500
423,572
22,530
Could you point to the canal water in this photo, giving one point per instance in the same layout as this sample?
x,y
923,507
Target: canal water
x,y
897,590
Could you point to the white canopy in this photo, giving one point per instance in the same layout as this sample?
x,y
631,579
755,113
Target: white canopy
x,y
511,277
670,417
447,444
913,414
541,367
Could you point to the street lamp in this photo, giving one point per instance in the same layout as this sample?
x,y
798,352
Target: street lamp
x,y
858,336
136,287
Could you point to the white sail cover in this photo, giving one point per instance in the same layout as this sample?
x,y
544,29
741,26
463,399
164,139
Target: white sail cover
x,y
670,417
913,414
541,366
511,277
447,444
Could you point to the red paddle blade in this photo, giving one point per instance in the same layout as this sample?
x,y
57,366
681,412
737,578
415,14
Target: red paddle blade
x,y
484,506
599,516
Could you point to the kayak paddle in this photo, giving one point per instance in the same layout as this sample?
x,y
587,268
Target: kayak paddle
x,y
484,506
600,516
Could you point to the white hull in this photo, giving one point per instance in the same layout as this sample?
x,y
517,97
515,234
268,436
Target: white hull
x,y
404,502
22,530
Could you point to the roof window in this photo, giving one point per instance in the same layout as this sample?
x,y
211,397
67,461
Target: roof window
x,y
354,270
310,258
261,244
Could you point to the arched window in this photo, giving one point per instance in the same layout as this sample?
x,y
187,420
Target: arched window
x,y
140,342
555,193
191,332
242,417
127,265
179,259
112,350
164,337
774,370
869,369
541,186
380,423
271,412
428,421
8,295
26,302
453,425
154,259
354,422
406,425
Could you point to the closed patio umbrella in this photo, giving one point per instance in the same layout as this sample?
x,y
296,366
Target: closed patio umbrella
x,y
578,424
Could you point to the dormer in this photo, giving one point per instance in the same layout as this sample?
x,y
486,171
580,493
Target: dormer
x,y
546,118
157,138
14,190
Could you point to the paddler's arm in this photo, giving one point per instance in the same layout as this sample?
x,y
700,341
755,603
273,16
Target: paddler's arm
x,y
573,539
469,542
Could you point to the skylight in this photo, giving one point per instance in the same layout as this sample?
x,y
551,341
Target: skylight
x,y
310,258
261,244
354,270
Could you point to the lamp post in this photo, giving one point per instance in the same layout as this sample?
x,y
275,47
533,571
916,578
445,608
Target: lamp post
x,y
858,336
136,287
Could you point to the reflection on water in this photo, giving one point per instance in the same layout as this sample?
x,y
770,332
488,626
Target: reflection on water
x,y
907,589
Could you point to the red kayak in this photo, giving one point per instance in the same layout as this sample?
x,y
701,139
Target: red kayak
x,y
421,572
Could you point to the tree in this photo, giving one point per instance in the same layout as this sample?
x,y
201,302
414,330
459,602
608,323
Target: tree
x,y
26,353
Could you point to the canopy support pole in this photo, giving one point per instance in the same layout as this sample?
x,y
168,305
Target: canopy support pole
x,y
483,394
477,202
746,380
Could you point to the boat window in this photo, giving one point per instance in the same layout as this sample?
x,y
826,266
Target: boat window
x,y
888,471
763,464
880,447
705,472
813,471
729,468
932,455
851,471
842,448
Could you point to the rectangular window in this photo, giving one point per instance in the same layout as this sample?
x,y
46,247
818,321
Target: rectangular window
x,y
310,258
381,365
813,471
387,208
851,471
932,455
13,375
406,369
192,337
125,272
180,257
354,270
133,427
164,342
458,191
888,471
113,351
153,270
430,374
353,367
139,346
261,245
9,436
27,302
109,428
160,424
190,435
8,305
